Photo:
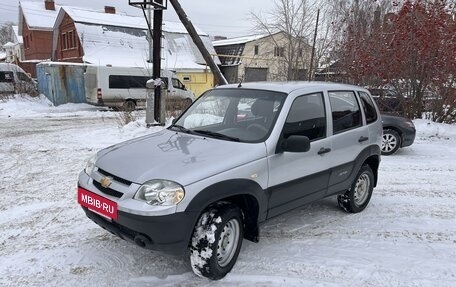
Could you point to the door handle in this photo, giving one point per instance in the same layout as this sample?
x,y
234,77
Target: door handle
x,y
363,139
324,150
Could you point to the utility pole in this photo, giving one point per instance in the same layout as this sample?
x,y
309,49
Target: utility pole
x,y
150,105
313,47
197,40
157,35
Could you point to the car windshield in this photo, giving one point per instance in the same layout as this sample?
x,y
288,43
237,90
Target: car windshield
x,y
232,114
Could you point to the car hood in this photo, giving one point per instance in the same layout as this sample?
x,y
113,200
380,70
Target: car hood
x,y
176,156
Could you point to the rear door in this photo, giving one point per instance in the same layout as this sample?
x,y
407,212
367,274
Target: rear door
x,y
298,178
350,136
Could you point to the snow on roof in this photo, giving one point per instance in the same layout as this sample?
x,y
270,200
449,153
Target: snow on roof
x,y
238,40
181,53
128,47
122,46
85,15
36,15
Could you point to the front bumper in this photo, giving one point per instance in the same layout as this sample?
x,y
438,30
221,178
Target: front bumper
x,y
156,228
169,234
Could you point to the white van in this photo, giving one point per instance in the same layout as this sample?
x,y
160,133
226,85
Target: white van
x,y
126,86
14,80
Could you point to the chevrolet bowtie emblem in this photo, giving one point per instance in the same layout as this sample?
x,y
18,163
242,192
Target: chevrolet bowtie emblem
x,y
106,181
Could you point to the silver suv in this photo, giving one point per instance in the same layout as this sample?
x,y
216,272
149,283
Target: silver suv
x,y
238,156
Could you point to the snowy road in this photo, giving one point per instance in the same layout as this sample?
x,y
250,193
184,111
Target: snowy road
x,y
406,236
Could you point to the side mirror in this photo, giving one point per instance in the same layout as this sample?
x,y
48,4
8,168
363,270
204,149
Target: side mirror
x,y
296,143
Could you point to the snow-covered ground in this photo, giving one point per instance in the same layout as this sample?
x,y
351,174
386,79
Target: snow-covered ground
x,y
406,236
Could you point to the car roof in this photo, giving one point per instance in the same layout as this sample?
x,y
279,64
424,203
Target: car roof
x,y
10,67
288,87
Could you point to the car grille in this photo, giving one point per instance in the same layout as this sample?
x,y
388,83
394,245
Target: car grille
x,y
116,178
111,191
108,191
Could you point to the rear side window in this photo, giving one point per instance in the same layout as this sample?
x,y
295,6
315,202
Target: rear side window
x,y
368,107
307,117
127,82
345,111
6,77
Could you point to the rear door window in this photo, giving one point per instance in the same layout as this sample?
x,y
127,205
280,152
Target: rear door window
x,y
345,111
368,107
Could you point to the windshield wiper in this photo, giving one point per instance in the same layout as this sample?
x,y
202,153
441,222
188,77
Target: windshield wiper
x,y
216,135
182,129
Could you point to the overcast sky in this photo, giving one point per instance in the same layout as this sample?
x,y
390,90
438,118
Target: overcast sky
x,y
215,17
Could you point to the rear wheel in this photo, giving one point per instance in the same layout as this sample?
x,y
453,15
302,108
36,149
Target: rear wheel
x,y
358,196
129,105
216,241
391,141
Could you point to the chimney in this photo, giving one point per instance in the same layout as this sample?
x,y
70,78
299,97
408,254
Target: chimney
x,y
110,9
49,5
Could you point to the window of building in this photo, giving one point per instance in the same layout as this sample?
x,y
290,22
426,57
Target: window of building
x,y
64,41
256,50
279,51
70,40
345,111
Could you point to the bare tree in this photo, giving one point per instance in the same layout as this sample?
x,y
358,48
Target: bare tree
x,y
5,33
295,19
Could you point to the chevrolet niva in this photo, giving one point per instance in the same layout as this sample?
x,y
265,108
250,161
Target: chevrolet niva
x,y
241,154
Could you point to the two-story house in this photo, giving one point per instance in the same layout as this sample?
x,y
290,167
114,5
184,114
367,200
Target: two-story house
x,y
36,23
266,57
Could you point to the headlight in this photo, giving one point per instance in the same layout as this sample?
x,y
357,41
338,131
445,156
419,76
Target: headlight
x,y
90,166
160,192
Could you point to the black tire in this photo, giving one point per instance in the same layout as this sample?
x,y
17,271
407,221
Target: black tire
x,y
129,105
216,241
358,196
391,141
188,102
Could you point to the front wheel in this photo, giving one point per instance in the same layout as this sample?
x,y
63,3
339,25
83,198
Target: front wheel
x,y
358,196
216,241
